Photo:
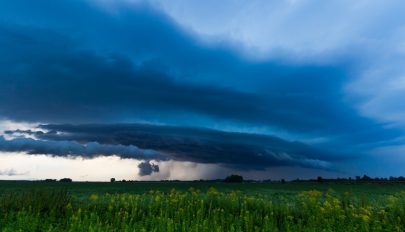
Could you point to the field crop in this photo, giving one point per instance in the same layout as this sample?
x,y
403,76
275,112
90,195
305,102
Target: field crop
x,y
199,209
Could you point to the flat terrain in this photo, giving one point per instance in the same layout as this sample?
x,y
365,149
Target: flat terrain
x,y
87,188
202,206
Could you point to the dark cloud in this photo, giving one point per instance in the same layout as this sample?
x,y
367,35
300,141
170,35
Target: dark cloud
x,y
102,67
147,168
236,150
72,85
72,62
72,148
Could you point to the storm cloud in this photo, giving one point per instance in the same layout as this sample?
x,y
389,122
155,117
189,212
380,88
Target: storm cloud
x,y
71,148
147,168
97,75
237,150
77,71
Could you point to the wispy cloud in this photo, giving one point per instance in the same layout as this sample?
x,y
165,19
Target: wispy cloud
x,y
12,172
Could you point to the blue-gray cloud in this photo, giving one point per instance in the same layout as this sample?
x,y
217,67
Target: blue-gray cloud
x,y
72,148
236,150
72,62
147,168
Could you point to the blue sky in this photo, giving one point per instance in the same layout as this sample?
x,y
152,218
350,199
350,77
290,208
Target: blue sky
x,y
268,89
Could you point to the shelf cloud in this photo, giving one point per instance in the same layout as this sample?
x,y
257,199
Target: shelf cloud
x,y
140,79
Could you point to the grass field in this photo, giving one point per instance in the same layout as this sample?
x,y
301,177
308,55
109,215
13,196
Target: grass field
x,y
201,206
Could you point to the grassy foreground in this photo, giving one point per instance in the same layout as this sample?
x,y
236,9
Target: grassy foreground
x,y
205,209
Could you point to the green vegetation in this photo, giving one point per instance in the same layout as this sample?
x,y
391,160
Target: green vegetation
x,y
194,206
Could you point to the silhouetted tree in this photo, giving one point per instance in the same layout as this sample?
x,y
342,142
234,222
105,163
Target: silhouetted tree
x,y
65,180
234,178
319,179
112,180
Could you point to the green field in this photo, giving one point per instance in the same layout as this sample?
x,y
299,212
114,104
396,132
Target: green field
x,y
201,206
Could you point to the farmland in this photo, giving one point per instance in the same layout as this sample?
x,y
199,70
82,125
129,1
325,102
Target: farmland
x,y
201,206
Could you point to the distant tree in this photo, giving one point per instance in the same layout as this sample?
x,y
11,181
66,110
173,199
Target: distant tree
x,y
366,178
124,180
358,178
282,181
319,179
112,180
65,180
234,179
50,180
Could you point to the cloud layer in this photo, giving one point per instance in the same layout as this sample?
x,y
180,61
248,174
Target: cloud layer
x,y
236,150
72,148
141,66
106,62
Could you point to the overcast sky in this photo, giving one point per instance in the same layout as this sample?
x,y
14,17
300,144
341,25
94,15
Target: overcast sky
x,y
93,89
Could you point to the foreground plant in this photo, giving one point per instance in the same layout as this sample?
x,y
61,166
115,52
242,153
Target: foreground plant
x,y
200,211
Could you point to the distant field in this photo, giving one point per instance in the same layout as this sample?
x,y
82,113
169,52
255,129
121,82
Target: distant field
x,y
201,206
86,188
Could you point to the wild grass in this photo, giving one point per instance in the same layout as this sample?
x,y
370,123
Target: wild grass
x,y
195,210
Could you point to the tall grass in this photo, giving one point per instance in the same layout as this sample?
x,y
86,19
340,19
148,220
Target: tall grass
x,y
200,211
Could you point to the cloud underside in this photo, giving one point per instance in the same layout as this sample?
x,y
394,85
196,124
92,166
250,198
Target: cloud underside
x,y
152,142
74,62
141,66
